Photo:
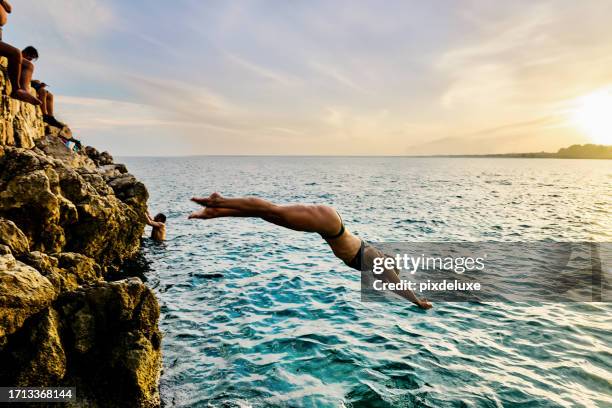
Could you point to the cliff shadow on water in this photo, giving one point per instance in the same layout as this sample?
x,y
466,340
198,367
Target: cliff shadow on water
x,y
70,230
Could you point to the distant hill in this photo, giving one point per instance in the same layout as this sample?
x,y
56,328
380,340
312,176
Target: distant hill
x,y
587,151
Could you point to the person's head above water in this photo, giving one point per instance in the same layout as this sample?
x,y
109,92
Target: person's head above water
x,y
30,53
160,218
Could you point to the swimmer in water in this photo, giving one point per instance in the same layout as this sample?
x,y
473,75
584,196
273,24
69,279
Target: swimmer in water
x,y
158,224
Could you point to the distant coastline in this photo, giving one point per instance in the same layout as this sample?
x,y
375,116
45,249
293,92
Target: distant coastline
x,y
587,151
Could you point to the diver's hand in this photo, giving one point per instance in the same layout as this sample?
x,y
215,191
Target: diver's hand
x,y
424,304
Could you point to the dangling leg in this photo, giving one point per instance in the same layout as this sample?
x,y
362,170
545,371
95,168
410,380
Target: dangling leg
x,y
14,73
42,96
50,104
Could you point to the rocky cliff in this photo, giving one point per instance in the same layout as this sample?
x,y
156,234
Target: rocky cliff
x,y
20,123
68,222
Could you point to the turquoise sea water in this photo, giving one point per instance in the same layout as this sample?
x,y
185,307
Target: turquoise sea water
x,y
255,315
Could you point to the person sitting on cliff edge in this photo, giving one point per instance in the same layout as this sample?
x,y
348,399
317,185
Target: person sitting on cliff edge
x,y
15,62
321,219
48,106
158,223
28,54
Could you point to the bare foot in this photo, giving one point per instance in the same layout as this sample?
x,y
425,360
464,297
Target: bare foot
x,y
203,214
211,201
210,213
22,95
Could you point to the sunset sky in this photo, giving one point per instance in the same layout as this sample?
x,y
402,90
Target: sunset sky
x,y
334,77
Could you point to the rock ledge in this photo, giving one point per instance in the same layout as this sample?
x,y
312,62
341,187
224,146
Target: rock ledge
x,y
68,222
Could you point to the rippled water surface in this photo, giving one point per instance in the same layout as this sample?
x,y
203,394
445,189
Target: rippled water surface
x,y
255,315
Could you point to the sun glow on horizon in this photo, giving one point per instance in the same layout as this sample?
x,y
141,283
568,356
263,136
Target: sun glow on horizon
x,y
592,115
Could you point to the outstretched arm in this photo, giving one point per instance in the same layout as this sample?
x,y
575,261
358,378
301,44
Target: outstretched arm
x,y
391,276
152,223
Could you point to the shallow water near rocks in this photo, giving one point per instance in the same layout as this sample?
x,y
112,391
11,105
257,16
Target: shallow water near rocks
x,y
255,315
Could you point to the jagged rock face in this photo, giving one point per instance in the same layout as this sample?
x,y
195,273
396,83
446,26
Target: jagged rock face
x,y
66,271
13,237
113,327
102,338
101,159
24,292
62,208
52,146
35,356
67,222
21,124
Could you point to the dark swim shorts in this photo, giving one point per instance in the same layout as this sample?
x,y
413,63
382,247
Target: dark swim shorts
x,y
365,257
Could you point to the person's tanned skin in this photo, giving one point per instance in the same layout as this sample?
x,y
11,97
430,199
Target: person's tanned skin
x,y
158,224
321,219
47,107
6,10
27,70
47,99
15,61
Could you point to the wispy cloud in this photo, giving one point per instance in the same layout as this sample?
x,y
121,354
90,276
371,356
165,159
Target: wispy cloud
x,y
485,73
72,20
329,77
93,113
262,71
532,57
335,74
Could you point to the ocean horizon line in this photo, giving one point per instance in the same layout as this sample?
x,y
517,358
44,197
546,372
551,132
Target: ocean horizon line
x,y
433,156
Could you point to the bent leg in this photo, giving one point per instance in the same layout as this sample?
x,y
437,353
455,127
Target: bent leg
x,y
42,96
49,103
13,55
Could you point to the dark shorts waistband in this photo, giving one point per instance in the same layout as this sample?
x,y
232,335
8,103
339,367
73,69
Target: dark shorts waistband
x,y
339,233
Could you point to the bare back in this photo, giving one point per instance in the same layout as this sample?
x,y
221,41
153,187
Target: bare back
x,y
345,246
159,233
